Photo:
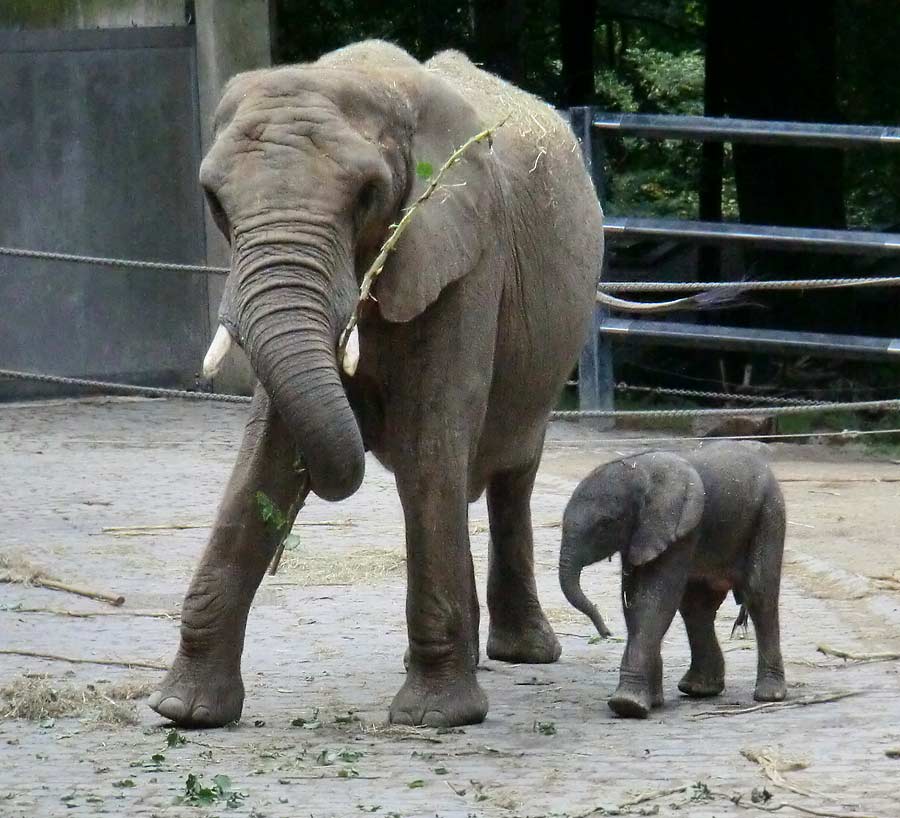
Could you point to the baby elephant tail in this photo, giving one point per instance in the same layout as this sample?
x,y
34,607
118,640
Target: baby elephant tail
x,y
740,621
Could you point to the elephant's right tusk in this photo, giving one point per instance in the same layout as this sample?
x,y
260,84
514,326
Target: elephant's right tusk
x,y
218,352
351,353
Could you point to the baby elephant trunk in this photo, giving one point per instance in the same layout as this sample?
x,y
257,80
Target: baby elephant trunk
x,y
570,582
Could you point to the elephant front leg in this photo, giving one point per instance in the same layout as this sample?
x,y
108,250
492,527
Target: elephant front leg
x,y
203,687
440,688
519,629
650,597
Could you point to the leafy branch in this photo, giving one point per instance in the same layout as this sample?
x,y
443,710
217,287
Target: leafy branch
x,y
423,168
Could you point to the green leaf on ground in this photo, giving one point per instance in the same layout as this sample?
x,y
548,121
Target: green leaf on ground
x,y
424,170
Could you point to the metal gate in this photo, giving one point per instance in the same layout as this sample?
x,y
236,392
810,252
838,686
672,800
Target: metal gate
x,y
99,153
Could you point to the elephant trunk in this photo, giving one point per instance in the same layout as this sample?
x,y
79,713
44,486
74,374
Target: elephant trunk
x,y
570,582
288,310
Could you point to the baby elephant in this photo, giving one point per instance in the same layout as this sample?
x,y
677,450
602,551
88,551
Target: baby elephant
x,y
689,529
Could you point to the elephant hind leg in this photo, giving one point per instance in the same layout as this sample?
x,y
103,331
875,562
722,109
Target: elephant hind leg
x,y
706,676
519,630
760,594
203,688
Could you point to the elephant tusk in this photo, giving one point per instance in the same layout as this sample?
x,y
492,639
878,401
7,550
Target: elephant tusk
x,y
351,353
219,349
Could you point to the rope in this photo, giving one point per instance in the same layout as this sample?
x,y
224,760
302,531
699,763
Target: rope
x,y
123,388
618,441
735,412
184,394
695,393
604,287
17,252
785,284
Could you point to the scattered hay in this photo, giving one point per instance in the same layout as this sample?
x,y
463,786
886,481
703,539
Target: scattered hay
x,y
351,568
773,764
565,616
18,569
37,697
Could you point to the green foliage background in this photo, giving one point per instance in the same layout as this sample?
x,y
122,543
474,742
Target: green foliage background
x,y
649,57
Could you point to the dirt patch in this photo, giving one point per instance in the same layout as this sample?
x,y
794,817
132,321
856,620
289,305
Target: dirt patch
x,y
325,641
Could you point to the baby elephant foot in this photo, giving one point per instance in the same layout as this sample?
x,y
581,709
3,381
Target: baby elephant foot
x,y
194,694
701,685
770,689
448,702
528,639
633,699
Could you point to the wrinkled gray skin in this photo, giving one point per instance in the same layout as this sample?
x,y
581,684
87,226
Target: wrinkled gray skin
x,y
688,529
480,313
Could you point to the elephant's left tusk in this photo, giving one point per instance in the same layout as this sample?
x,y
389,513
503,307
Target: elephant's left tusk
x,y
351,353
218,352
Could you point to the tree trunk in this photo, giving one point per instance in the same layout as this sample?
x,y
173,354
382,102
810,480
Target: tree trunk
x,y
779,62
498,27
577,19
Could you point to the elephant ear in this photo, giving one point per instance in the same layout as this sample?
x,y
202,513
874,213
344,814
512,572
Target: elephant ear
x,y
670,505
445,237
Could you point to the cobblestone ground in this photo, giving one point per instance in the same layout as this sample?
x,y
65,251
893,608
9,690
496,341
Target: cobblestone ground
x,y
326,638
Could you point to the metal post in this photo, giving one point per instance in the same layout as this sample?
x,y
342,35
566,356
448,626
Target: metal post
x,y
595,367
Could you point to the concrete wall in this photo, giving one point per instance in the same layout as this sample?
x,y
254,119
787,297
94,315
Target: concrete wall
x,y
69,14
231,36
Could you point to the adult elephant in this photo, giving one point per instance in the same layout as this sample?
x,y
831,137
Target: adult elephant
x,y
477,320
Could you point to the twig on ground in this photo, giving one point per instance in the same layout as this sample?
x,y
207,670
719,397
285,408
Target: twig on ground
x,y
368,280
805,810
141,530
80,661
39,581
858,657
773,765
90,614
802,702
652,796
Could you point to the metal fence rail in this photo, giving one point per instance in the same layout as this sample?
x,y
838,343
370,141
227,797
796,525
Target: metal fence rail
x,y
754,131
781,238
596,381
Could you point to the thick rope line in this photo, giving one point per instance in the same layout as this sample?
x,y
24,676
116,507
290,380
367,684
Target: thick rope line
x,y
734,412
604,287
17,252
696,393
183,394
123,388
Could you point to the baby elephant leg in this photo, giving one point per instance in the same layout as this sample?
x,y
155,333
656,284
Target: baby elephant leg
x,y
760,592
651,594
706,676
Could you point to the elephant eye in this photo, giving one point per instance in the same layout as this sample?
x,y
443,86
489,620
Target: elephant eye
x,y
367,198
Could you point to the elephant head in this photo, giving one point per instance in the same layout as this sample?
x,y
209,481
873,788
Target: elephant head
x,y
637,507
309,167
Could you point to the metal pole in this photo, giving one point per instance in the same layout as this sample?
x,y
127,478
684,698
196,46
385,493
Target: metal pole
x,y
596,385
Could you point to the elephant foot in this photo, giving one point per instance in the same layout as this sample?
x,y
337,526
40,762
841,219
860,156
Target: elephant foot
x,y
633,698
630,704
770,689
700,685
194,694
526,640
447,703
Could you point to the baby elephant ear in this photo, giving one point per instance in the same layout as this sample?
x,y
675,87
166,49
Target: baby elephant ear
x,y
670,507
